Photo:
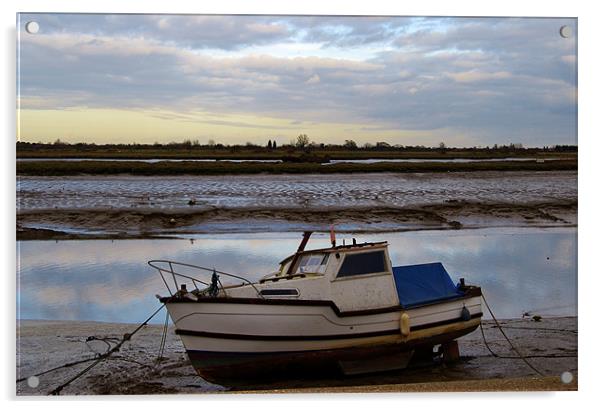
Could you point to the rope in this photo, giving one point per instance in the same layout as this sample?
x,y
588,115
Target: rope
x,y
99,359
106,340
574,331
58,367
163,339
70,364
521,356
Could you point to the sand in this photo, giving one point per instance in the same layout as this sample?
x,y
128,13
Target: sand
x,y
550,344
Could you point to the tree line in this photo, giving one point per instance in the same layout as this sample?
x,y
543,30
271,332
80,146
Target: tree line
x,y
302,142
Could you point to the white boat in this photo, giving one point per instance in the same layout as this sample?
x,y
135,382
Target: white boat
x,y
344,307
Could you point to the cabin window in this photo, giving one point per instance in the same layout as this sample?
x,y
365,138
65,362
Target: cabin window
x,y
313,263
363,263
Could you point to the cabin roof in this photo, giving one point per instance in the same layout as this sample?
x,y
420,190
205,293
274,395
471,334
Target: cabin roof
x,y
340,249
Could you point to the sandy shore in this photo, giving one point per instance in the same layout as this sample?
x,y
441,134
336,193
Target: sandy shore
x,y
550,344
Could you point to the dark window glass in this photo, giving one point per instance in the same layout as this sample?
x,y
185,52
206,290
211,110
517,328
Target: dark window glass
x,y
364,263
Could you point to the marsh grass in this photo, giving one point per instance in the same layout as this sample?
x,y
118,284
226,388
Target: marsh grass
x,y
65,168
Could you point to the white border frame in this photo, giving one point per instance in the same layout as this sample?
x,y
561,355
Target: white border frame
x,y
589,222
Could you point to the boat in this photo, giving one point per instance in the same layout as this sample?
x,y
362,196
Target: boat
x,y
343,308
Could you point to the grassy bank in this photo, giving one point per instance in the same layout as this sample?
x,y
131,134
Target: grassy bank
x,y
281,153
66,168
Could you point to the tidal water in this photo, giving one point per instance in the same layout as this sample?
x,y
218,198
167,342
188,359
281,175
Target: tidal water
x,y
520,269
451,160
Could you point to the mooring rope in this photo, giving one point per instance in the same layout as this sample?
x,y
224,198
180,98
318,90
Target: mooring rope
x,y
70,364
574,331
67,365
520,355
163,339
99,359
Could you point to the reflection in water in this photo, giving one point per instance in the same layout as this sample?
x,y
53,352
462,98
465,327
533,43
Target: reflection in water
x,y
103,280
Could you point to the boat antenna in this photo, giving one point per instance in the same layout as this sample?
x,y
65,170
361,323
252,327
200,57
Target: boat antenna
x,y
333,237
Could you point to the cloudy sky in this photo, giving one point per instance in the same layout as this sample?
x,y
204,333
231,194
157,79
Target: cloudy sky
x,y
234,79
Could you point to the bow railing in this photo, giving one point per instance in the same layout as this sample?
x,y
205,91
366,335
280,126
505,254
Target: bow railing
x,y
171,271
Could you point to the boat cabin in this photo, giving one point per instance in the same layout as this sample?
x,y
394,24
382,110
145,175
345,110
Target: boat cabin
x,y
355,259
357,276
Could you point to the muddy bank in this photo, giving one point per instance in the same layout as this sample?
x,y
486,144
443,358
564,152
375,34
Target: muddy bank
x,y
130,206
454,214
550,345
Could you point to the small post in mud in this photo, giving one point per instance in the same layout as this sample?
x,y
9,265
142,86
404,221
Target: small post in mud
x,y
451,352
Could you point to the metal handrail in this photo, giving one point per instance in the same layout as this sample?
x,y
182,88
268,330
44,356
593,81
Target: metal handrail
x,y
174,274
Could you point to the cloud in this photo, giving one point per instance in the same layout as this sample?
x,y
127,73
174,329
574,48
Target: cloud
x,y
315,79
194,31
492,80
476,76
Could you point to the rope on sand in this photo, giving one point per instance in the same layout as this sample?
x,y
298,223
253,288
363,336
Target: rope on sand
x,y
163,340
520,355
99,359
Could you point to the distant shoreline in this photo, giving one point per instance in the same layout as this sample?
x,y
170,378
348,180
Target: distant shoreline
x,y
139,152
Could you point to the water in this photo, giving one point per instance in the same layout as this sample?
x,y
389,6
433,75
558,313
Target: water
x,y
449,160
333,161
103,280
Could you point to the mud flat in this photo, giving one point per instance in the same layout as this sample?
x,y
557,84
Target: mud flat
x,y
550,345
143,207
123,224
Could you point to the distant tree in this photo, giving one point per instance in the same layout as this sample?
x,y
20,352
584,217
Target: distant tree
x,y
565,148
195,142
350,144
367,145
270,144
274,145
211,143
302,141
442,147
516,146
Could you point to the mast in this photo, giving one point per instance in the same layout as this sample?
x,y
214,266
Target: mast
x,y
306,235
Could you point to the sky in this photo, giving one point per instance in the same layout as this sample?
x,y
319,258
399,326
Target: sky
x,y
108,78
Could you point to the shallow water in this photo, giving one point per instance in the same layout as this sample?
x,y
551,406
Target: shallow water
x,y
451,160
292,191
103,280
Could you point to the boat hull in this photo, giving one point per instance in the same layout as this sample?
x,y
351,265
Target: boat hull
x,y
240,368
232,341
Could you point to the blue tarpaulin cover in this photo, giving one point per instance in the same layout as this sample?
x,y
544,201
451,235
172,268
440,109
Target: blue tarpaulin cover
x,y
423,283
